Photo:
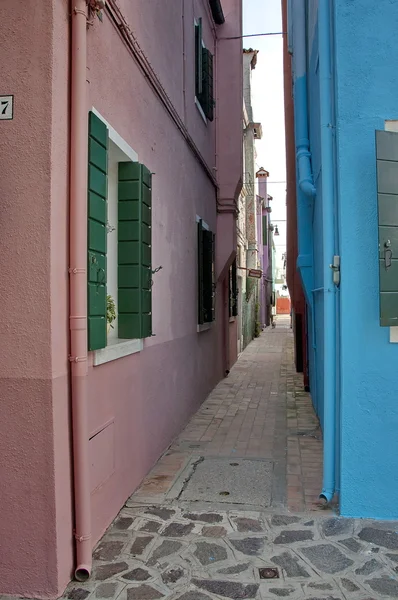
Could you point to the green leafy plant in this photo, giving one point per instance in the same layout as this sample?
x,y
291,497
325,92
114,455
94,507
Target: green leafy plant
x,y
110,310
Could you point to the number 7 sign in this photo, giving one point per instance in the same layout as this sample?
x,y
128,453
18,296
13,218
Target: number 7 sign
x,y
6,108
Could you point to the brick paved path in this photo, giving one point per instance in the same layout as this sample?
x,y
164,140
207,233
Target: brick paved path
x,y
218,507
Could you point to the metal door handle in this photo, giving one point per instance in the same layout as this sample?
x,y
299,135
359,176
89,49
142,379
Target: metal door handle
x,y
387,254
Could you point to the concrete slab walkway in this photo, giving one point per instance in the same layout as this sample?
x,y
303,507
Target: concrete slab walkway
x,y
230,511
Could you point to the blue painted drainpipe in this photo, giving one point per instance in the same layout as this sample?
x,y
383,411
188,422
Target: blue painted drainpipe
x,y
306,186
306,189
329,250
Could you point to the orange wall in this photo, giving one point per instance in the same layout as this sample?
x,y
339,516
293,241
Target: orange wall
x,y
283,306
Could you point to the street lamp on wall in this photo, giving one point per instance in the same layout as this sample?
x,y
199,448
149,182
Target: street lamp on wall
x,y
276,230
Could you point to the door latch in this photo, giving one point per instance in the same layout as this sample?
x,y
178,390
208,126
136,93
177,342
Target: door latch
x,y
387,254
335,266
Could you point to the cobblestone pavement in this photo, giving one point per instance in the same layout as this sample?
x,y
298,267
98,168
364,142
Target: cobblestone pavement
x,y
180,553
237,493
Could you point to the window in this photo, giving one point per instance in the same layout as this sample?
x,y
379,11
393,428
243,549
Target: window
x,y
119,241
206,274
203,74
233,290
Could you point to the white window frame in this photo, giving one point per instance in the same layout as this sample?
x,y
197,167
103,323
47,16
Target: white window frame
x,y
116,347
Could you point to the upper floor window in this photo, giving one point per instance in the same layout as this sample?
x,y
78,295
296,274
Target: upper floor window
x,y
203,73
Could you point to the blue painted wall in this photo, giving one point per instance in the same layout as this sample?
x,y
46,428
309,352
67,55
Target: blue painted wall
x,y
315,145
366,59
365,80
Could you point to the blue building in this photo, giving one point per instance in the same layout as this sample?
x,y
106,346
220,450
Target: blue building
x,y
344,57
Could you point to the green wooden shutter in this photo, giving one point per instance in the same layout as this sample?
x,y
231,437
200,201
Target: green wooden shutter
x,y
213,282
97,234
198,58
265,230
134,251
200,273
208,276
234,285
206,97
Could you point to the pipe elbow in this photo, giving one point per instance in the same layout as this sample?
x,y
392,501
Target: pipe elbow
x,y
326,496
308,188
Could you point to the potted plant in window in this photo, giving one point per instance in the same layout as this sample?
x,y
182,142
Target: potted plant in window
x,y
110,312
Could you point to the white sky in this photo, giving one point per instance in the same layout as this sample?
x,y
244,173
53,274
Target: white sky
x,y
263,16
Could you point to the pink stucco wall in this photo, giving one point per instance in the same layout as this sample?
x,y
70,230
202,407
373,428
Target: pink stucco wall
x,y
140,402
150,395
35,472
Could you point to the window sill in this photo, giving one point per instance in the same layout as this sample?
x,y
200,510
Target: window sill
x,y
200,109
232,319
204,327
117,349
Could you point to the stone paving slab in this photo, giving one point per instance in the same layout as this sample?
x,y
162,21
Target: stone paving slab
x,y
203,555
240,481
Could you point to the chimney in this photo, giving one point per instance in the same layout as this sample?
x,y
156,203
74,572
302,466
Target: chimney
x,y
262,176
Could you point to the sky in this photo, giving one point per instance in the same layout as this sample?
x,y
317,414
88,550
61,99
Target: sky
x,y
263,16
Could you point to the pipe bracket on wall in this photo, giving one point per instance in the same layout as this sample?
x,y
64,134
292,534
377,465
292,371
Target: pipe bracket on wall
x,y
335,266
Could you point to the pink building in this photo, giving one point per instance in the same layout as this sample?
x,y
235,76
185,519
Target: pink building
x,y
264,236
121,153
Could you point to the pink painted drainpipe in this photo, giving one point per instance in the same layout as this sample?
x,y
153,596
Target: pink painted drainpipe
x,y
78,289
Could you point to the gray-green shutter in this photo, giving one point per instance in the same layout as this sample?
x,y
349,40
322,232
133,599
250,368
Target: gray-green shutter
x,y
200,273
97,234
134,251
207,100
198,58
387,195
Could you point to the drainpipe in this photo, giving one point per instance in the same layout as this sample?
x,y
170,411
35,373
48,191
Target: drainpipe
x,y
306,190
78,288
303,154
328,219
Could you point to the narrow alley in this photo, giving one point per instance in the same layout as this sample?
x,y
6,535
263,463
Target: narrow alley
x,y
231,510
199,258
